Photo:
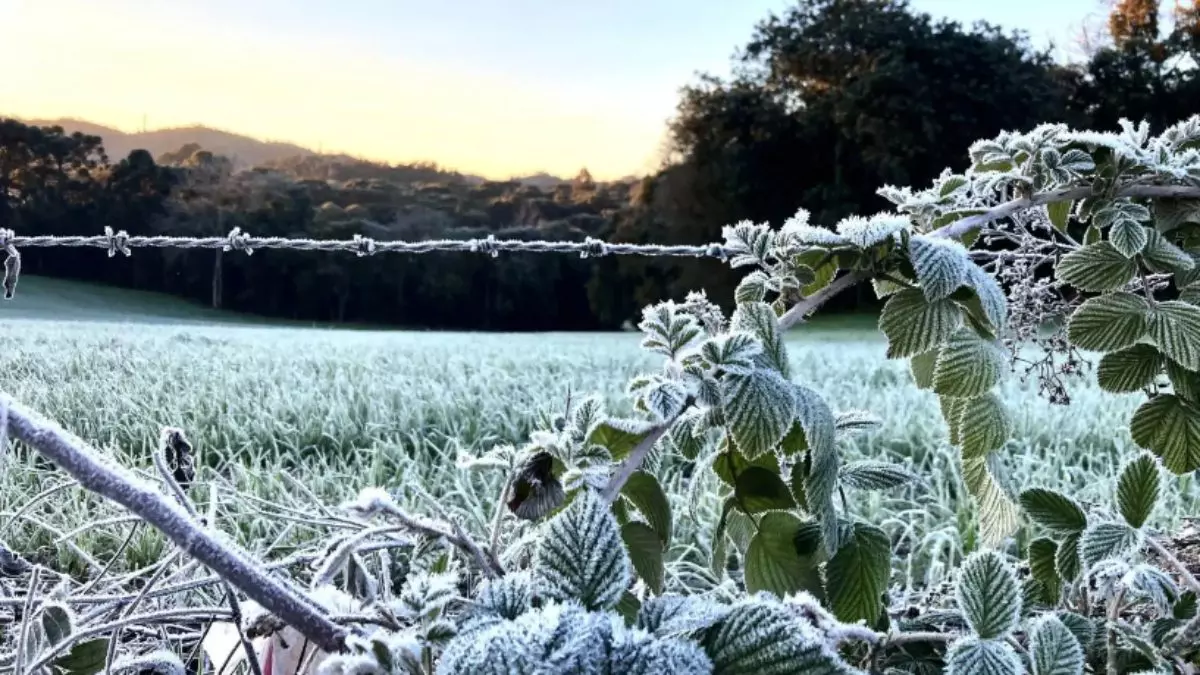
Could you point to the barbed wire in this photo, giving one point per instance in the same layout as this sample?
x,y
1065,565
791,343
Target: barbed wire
x,y
236,240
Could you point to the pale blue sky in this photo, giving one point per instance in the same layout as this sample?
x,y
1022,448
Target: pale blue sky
x,y
492,86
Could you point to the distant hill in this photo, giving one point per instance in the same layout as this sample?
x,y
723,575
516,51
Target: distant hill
x,y
243,150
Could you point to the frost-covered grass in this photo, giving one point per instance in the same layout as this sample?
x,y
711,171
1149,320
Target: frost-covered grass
x,y
280,415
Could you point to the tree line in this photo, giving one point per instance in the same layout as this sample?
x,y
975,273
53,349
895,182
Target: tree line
x,y
829,100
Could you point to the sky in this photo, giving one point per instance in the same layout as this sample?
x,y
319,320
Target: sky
x,y
493,87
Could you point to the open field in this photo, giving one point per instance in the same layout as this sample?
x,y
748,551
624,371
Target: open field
x,y
271,409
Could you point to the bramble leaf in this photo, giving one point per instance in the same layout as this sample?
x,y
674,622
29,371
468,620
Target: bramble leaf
x,y
999,517
984,425
875,475
856,576
940,264
760,489
645,552
913,325
973,656
1106,540
1053,510
1129,237
760,320
1175,327
1129,369
643,490
581,556
989,595
759,409
772,561
1169,426
1054,649
763,636
1109,322
1042,552
1097,267
967,366
1138,489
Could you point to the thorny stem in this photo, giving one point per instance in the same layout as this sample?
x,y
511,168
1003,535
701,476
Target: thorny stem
x,y
82,463
632,462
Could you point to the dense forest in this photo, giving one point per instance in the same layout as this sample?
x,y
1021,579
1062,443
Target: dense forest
x,y
830,100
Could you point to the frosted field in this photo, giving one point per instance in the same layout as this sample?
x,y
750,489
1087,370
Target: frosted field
x,y
281,414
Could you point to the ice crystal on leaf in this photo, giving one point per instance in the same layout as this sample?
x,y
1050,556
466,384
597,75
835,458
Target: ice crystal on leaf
x,y
581,556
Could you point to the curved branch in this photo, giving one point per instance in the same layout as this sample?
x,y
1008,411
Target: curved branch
x,y
633,461
95,474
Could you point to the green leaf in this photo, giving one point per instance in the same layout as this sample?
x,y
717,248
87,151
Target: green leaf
x,y
759,409
627,607
1106,540
984,426
1138,489
1097,267
619,436
1161,255
1060,214
758,319
973,656
952,413
874,475
913,325
1185,607
1054,649
1129,369
922,366
967,366
1066,559
1053,510
718,558
1042,568
988,295
1184,382
56,623
940,264
817,418
732,463
752,288
732,352
1169,427
856,576
646,553
998,515
766,637
760,489
1175,327
1190,294
581,557
1129,237
647,495
84,658
989,595
772,561
1092,235
1109,322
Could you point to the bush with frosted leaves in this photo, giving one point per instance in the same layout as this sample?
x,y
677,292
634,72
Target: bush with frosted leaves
x,y
1055,241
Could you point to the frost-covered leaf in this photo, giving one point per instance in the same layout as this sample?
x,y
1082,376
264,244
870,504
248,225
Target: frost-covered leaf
x,y
1043,570
1106,540
967,366
1138,489
1053,510
668,331
1107,323
941,265
874,475
581,557
758,489
913,325
992,300
1054,649
679,615
1153,585
759,409
731,463
867,232
638,653
973,656
759,320
989,594
645,552
1097,267
620,436
643,491
856,576
1129,237
665,399
1161,255
1169,426
1066,558
984,425
1129,369
86,657
764,637
999,517
56,621
1116,212
816,418
506,597
748,243
1170,214
732,352
773,562
849,421
559,638
922,366
752,288
1175,328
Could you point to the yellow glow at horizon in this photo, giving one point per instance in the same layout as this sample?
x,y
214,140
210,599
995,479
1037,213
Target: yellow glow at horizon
x,y
74,59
